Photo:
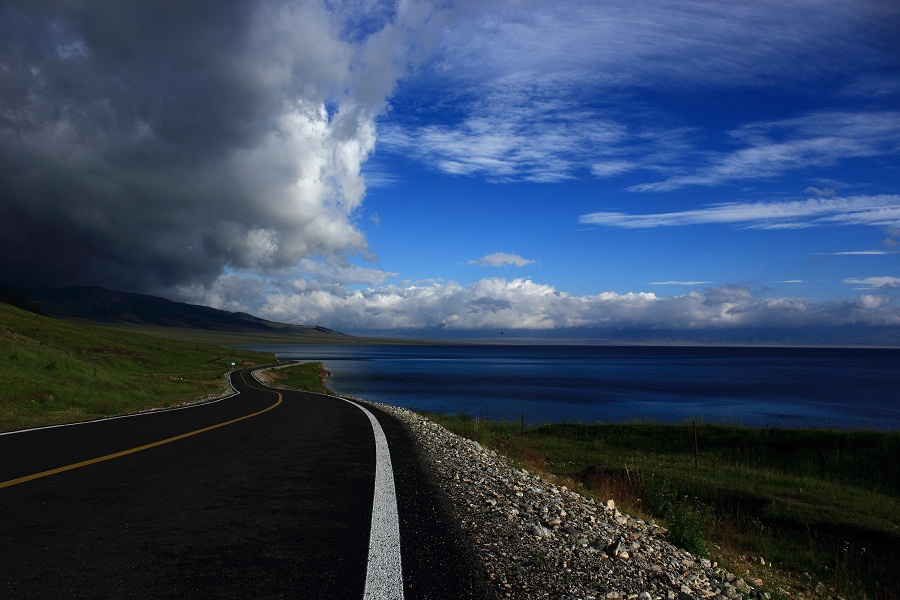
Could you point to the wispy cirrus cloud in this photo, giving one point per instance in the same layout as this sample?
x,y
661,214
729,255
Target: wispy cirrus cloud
x,y
873,283
549,90
882,210
619,43
771,149
824,192
611,168
858,253
521,144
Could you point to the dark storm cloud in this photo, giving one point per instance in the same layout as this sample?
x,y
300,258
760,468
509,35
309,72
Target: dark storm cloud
x,y
145,145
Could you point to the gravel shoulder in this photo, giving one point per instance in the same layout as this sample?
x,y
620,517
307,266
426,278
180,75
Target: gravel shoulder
x,y
539,540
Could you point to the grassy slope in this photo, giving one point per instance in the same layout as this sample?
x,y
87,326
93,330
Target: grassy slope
x,y
792,496
308,377
56,371
234,339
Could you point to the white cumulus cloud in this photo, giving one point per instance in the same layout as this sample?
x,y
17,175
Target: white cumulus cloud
x,y
502,259
504,304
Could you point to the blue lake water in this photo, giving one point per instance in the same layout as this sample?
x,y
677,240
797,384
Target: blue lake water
x,y
786,387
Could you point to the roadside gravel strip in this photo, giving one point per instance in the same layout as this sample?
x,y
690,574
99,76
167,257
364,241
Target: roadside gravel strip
x,y
539,540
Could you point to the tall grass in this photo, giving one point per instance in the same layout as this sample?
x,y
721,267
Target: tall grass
x,y
822,505
56,371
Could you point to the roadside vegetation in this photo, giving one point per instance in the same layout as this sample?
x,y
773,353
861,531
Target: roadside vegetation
x,y
307,377
808,512
57,371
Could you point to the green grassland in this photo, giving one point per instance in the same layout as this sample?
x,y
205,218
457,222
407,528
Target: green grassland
x,y
56,371
231,338
819,505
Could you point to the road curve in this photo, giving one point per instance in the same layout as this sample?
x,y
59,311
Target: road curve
x,y
266,494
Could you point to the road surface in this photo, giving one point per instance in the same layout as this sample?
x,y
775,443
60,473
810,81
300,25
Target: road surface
x,y
266,494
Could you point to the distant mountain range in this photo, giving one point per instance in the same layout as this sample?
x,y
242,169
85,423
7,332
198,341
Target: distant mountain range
x,y
103,306
107,307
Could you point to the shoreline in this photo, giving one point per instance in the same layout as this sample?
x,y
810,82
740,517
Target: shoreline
x,y
537,539
746,388
535,536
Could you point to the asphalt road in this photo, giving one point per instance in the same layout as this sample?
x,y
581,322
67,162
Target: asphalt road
x,y
267,494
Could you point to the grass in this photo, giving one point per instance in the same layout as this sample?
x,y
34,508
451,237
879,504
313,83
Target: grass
x,y
309,377
57,371
820,505
231,338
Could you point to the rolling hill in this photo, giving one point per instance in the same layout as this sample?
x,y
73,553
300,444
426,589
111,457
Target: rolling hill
x,y
108,307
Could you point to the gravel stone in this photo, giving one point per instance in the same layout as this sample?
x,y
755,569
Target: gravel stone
x,y
540,540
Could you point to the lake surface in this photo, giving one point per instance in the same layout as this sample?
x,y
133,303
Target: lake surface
x,y
786,387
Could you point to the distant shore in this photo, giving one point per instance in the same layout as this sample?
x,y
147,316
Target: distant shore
x,y
785,387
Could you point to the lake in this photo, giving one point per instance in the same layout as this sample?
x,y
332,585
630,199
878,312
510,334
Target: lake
x,y
783,387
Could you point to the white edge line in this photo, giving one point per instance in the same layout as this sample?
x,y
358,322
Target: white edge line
x,y
144,413
384,574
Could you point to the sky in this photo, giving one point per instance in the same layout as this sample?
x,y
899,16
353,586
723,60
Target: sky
x,y
616,169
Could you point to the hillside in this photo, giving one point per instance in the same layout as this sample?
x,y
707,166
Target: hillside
x,y
57,371
102,306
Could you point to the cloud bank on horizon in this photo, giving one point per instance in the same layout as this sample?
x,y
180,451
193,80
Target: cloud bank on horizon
x,y
369,166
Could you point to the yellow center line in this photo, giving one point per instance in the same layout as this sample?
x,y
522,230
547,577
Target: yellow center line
x,y
92,461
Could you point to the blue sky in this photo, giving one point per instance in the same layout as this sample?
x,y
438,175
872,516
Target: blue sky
x,y
460,167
